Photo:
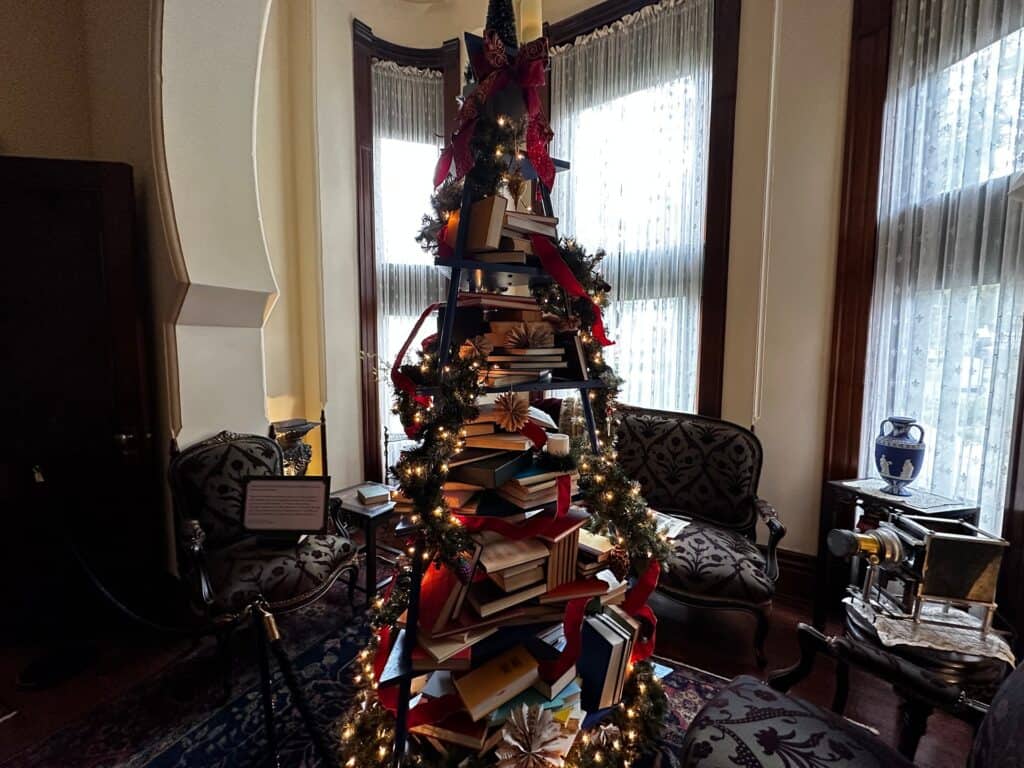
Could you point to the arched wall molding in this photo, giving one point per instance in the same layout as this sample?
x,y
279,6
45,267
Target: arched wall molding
x,y
170,299
208,84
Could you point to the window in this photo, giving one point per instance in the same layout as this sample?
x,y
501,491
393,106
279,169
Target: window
x,y
948,299
630,108
407,126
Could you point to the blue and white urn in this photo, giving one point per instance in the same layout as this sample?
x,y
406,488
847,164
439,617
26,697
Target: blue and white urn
x,y
898,456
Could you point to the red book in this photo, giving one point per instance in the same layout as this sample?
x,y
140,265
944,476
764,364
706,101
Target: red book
x,y
592,587
438,591
563,526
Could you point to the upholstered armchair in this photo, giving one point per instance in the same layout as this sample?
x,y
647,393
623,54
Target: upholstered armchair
x,y
706,470
756,724
234,575
228,568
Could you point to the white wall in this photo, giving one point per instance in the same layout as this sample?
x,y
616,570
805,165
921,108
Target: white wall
x,y
794,60
210,74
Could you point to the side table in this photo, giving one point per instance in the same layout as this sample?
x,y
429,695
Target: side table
x,y
978,676
861,503
369,519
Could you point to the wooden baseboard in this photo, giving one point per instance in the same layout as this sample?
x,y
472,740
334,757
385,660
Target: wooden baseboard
x,y
797,574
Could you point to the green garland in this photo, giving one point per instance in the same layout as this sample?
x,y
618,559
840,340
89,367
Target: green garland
x,y
586,268
619,511
367,733
635,725
422,471
493,141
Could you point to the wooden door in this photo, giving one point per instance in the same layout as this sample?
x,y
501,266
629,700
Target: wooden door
x,y
76,456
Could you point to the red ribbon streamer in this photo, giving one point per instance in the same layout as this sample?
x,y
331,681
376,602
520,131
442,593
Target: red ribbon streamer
x,y
538,525
495,71
635,605
403,382
431,711
555,265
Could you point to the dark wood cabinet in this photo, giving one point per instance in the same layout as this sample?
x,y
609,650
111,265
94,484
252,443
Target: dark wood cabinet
x,y
77,459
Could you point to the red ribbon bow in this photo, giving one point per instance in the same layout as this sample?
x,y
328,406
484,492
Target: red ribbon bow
x,y
495,70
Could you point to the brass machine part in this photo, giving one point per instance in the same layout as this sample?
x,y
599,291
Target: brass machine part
x,y
880,547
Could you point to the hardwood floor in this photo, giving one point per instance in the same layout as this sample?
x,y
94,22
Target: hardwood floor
x,y
722,642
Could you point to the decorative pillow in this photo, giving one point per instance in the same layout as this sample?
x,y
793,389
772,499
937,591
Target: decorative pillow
x,y
750,724
711,562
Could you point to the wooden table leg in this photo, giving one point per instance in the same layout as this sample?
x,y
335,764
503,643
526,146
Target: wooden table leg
x,y
371,561
913,723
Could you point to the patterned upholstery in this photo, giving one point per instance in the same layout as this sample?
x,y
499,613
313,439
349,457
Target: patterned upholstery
x,y
207,480
706,470
282,574
693,466
751,725
716,563
1000,739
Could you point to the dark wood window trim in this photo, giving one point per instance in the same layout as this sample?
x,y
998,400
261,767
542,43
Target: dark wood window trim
x,y
714,289
855,264
858,229
1010,595
365,48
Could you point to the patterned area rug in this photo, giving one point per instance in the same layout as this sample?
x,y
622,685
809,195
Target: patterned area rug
x,y
180,720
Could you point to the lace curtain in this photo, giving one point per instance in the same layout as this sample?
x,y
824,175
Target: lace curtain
x,y
948,299
630,108
408,122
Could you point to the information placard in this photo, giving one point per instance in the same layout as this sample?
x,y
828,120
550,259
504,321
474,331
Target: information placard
x,y
285,504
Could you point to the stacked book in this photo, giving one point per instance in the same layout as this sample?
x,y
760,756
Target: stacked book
x,y
497,235
595,552
536,487
608,639
478,636
522,223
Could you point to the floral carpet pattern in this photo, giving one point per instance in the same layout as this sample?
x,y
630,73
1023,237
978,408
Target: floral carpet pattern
x,y
180,720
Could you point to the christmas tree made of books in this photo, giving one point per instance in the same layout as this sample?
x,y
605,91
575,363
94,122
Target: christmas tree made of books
x,y
518,630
